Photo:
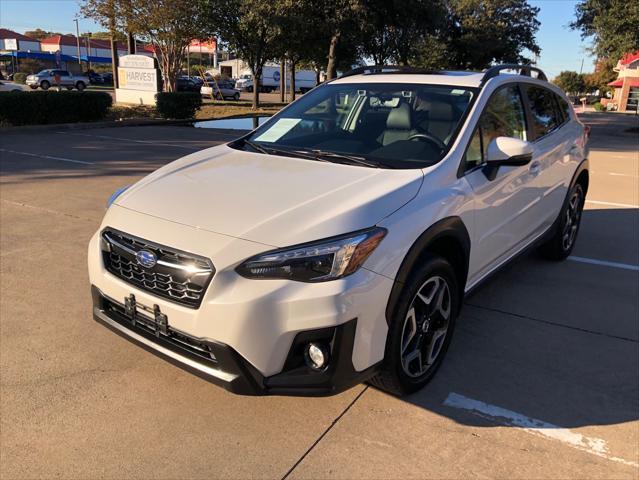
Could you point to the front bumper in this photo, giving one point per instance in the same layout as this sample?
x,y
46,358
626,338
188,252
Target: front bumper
x,y
223,366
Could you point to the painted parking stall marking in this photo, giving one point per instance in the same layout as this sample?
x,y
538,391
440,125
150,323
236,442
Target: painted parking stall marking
x,y
594,261
594,446
47,157
612,204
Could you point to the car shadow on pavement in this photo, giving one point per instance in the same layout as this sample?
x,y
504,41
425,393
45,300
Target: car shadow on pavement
x,y
557,342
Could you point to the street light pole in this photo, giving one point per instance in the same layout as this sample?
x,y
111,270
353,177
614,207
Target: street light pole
x,y
77,37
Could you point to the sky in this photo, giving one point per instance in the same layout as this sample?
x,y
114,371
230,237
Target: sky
x,y
561,48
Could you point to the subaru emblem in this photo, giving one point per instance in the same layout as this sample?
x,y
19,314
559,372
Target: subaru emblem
x,y
146,259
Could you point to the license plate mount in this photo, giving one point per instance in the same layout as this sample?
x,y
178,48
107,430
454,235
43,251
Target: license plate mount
x,y
158,320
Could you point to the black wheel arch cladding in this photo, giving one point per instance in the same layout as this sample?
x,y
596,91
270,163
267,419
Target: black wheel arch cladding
x,y
447,238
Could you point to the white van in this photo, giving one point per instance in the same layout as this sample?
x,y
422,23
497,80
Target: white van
x,y
304,80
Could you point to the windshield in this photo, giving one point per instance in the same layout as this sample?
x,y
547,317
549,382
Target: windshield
x,y
44,72
245,77
388,125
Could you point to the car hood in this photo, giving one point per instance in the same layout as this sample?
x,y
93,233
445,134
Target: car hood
x,y
270,199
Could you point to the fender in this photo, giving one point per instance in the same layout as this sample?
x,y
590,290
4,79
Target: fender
x,y
451,228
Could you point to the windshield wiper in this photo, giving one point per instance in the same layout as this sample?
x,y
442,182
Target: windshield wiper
x,y
283,151
255,146
348,159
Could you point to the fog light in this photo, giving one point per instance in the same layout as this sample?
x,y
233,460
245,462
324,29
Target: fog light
x,y
316,356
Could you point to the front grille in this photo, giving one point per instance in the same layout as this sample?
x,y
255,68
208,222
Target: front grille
x,y
175,275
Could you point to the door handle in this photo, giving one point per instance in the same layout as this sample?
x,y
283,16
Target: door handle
x,y
535,168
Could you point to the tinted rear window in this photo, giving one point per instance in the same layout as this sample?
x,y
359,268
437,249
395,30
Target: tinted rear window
x,y
542,105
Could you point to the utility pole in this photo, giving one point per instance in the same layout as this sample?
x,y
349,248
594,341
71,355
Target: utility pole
x,y
582,66
77,37
88,45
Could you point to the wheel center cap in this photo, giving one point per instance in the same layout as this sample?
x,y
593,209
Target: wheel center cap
x,y
426,325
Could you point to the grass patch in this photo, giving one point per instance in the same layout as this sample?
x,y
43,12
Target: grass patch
x,y
232,109
206,111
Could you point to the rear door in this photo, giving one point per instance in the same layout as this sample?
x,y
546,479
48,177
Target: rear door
x,y
554,138
505,212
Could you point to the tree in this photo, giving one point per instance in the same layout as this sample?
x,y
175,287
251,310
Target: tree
x,y
486,31
39,34
613,25
119,36
601,77
250,29
398,30
571,82
169,25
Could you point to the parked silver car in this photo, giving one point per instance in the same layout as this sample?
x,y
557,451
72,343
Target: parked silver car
x,y
48,78
223,89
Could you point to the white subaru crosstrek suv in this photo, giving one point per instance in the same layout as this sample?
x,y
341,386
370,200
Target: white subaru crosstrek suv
x,y
335,243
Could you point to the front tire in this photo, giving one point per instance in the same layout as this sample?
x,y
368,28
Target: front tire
x,y
560,245
80,86
236,96
421,328
44,85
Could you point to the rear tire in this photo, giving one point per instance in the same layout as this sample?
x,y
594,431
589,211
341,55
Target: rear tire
x,y
80,86
236,96
421,328
561,244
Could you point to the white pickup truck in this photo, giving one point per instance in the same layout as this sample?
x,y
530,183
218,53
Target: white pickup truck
x,y
48,78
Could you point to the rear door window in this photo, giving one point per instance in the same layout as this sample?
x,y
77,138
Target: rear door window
x,y
544,113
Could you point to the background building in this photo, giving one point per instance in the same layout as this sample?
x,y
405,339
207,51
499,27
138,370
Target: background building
x,y
627,84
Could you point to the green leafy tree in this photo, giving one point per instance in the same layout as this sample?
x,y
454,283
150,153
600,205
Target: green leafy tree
x,y
571,82
482,32
40,34
169,25
249,28
612,25
399,30
105,35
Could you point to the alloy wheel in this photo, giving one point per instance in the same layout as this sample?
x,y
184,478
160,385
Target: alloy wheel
x,y
425,327
573,217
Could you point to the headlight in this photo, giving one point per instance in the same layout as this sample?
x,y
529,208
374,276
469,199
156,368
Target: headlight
x,y
319,261
116,194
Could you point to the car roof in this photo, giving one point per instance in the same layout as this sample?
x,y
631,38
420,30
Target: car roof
x,y
403,74
462,79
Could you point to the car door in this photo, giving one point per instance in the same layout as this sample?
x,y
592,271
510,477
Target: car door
x,y
554,143
505,213
65,77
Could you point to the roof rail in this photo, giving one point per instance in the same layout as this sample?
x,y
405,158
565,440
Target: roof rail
x,y
523,70
376,69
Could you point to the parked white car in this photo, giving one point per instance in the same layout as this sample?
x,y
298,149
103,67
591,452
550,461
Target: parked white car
x,y
12,87
335,243
54,77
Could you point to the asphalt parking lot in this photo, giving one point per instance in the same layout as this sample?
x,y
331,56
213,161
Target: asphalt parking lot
x,y
541,381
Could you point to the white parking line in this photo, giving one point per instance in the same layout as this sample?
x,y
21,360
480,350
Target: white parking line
x,y
47,157
615,174
612,204
594,261
595,446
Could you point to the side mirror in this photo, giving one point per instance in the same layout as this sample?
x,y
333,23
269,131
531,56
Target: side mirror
x,y
506,151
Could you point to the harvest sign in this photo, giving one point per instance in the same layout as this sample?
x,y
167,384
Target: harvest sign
x,y
138,80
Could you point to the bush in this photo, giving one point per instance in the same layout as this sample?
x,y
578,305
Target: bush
x,y
20,77
33,108
599,107
178,104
